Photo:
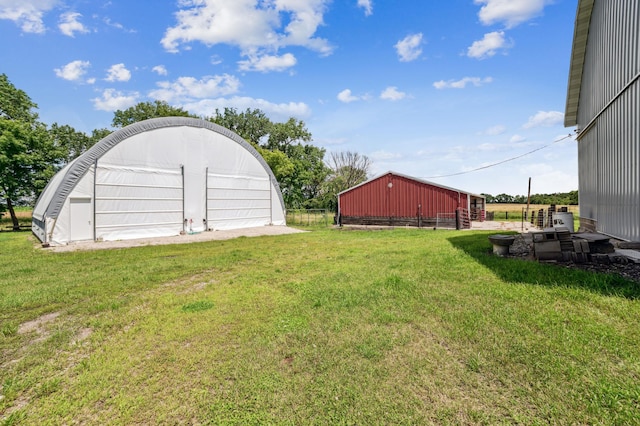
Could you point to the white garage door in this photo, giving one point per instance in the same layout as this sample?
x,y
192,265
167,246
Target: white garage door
x,y
138,202
235,201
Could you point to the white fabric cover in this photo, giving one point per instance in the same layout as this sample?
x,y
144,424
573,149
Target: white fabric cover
x,y
160,179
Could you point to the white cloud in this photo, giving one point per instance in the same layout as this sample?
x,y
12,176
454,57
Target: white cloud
x,y
118,72
392,93
69,24
462,83
489,147
517,139
277,112
509,12
494,131
267,63
27,13
425,152
189,89
384,155
559,178
113,100
330,141
408,48
117,25
488,46
160,70
544,119
249,24
346,96
367,5
73,71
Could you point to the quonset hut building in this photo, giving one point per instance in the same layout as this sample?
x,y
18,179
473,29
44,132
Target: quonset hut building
x,y
159,177
394,199
603,101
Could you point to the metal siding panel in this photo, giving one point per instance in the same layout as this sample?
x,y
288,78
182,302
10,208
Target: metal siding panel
x,y
609,177
367,200
609,153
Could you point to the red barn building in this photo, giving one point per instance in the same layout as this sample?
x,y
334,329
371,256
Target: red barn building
x,y
397,200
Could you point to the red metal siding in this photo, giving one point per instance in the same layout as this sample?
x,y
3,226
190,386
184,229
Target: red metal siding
x,y
397,196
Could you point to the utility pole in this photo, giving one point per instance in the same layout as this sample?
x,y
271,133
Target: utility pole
x,y
528,198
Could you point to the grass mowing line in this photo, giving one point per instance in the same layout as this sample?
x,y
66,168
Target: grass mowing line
x,y
398,326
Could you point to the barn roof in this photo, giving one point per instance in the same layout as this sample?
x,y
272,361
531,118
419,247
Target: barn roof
x,y
63,183
426,182
578,51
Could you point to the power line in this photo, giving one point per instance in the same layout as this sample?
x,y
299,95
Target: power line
x,y
499,162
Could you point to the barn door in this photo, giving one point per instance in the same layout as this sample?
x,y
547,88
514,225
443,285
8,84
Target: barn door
x,y
81,219
138,202
236,201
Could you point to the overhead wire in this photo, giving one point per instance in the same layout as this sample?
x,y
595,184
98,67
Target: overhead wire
x,y
499,162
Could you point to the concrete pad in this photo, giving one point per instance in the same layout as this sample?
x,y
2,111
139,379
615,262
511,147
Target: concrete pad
x,y
632,255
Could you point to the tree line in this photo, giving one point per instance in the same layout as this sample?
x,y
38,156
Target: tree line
x,y
32,152
559,198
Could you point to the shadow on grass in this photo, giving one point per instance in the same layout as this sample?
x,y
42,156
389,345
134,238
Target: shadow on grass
x,y
21,229
477,246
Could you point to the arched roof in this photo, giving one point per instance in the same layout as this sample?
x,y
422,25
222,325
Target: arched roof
x,y
79,167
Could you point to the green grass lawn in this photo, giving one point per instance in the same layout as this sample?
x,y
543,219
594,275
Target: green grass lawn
x,y
325,327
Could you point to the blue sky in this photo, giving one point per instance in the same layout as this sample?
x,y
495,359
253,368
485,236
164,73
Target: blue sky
x,y
426,88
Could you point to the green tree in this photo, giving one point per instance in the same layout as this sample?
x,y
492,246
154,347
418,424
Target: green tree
x,y
251,125
72,142
28,157
302,187
99,134
28,160
488,198
503,198
145,110
283,136
347,169
560,198
297,164
15,104
281,166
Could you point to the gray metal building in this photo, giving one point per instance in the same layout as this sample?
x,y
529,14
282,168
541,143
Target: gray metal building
x,y
603,101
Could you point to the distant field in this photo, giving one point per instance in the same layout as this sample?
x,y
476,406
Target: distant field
x,y
23,214
511,211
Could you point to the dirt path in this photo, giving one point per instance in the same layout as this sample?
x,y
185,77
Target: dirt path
x,y
491,225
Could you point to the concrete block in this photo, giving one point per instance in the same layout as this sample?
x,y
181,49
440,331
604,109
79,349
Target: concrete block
x,y
547,250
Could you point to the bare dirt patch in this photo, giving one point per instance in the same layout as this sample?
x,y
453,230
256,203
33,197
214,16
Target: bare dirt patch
x,y
496,225
83,334
37,324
